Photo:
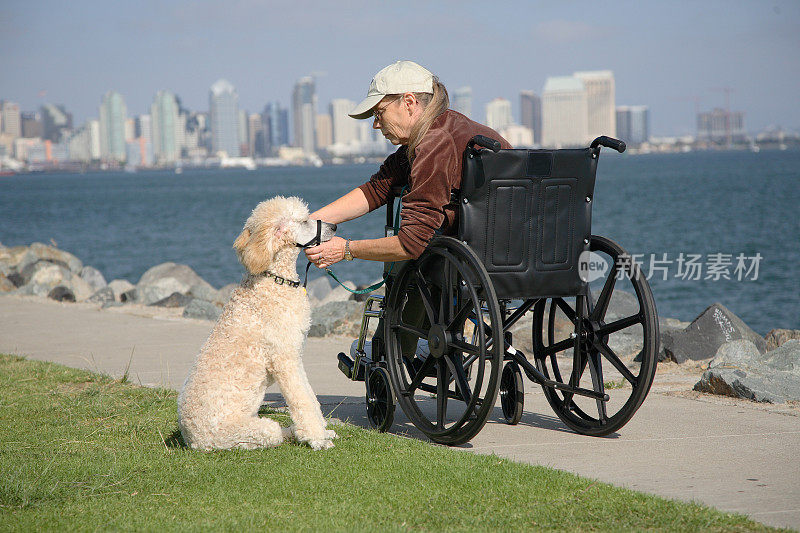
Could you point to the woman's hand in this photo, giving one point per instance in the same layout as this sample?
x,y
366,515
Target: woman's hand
x,y
327,253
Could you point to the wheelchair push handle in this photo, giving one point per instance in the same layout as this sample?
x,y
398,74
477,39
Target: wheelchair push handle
x,y
609,142
484,141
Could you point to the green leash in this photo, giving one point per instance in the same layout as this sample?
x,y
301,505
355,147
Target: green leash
x,y
391,268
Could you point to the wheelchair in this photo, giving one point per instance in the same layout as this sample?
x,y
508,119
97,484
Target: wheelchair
x,y
524,249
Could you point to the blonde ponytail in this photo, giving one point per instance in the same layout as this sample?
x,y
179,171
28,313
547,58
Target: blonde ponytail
x,y
434,105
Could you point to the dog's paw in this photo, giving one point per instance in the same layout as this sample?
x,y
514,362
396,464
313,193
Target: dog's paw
x,y
331,434
318,445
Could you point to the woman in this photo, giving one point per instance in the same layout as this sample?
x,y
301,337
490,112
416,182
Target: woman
x,y
410,107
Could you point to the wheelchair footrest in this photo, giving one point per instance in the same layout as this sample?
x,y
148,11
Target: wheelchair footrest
x,y
346,365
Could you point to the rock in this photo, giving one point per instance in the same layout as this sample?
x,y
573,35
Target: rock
x,y
777,337
93,277
161,288
120,287
339,294
102,296
10,257
175,299
203,291
48,276
623,304
128,297
522,331
336,318
666,328
319,288
38,251
61,294
202,309
112,303
44,277
786,357
162,280
17,279
6,285
224,294
183,273
740,370
703,337
29,271
81,288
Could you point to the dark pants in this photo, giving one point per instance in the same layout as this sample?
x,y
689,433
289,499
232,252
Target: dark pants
x,y
413,314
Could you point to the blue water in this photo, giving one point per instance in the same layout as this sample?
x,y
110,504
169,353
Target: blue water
x,y
695,203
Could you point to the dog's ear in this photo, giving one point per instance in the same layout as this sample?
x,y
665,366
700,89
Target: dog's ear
x,y
241,241
253,255
256,250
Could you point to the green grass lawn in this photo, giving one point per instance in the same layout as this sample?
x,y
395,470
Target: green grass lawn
x,y
80,451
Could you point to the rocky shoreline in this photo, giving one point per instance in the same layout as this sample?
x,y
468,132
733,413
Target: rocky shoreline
x,y
736,360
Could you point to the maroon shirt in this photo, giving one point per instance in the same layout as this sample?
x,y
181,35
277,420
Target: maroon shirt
x,y
435,173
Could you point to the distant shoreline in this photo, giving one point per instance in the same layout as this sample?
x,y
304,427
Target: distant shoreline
x,y
179,169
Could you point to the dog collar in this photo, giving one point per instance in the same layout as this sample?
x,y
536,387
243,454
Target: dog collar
x,y
280,280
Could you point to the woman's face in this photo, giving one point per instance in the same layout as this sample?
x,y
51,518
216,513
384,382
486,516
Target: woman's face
x,y
395,116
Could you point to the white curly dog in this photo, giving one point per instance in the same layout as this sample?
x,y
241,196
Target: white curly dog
x,y
258,340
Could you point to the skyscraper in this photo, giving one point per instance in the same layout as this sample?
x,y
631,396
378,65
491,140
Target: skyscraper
x,y
112,127
255,128
244,132
31,123
344,126
721,126
530,113
324,131
304,110
276,127
144,128
10,123
462,101
564,113
165,124
224,117
601,102
84,143
633,124
55,121
498,114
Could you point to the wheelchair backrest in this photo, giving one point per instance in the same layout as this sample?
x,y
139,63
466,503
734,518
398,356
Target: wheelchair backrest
x,y
527,214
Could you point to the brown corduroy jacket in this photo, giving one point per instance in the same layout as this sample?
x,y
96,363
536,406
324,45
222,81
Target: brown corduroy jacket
x,y
435,173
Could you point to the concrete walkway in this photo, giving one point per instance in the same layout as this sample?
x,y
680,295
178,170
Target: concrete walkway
x,y
733,455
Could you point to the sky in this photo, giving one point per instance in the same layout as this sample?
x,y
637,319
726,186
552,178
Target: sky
x,y
674,57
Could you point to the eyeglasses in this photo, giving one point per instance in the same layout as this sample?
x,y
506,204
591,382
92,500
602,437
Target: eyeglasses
x,y
377,114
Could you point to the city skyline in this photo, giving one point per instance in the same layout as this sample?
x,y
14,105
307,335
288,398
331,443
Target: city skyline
x,y
676,59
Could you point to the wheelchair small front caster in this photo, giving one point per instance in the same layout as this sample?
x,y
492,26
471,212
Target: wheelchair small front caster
x,y
512,395
380,401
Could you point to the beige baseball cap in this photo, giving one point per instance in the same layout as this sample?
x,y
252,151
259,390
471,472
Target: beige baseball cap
x,y
398,78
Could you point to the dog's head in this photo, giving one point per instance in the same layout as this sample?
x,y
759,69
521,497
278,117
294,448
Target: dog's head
x,y
276,224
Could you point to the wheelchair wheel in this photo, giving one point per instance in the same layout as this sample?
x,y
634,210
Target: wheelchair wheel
x,y
380,401
617,344
512,394
449,393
